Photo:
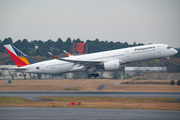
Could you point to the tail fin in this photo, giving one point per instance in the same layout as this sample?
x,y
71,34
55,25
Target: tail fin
x,y
18,57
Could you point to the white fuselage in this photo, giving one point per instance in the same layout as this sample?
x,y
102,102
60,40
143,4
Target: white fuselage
x,y
125,55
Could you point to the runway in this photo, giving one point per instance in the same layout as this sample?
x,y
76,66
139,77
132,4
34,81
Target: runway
x,y
40,113
33,95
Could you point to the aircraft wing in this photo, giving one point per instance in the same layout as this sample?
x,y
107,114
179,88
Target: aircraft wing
x,y
18,68
14,68
83,62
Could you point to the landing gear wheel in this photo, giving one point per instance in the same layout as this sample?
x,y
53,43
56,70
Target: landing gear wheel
x,y
95,75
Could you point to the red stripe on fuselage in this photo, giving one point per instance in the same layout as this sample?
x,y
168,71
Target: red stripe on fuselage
x,y
17,61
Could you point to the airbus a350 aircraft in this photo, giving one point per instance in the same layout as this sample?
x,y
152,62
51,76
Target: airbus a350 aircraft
x,y
108,60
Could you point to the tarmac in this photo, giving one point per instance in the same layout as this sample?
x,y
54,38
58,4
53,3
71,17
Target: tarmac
x,y
45,113
33,95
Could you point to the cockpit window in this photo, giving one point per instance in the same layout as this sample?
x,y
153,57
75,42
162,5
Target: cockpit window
x,y
169,47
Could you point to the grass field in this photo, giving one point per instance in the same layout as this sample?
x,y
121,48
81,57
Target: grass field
x,y
97,102
89,85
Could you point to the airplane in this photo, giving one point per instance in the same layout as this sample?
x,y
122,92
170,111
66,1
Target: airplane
x,y
106,60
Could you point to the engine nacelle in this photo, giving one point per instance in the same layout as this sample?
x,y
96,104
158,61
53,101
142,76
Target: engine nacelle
x,y
112,65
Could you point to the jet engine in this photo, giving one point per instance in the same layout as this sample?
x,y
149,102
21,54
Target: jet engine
x,y
112,65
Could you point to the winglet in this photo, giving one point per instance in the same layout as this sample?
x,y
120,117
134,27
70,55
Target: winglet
x,y
52,55
68,54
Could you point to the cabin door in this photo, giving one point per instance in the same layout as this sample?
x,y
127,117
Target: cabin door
x,y
158,49
128,56
42,67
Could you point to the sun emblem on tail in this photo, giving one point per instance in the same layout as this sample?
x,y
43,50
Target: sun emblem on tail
x,y
24,59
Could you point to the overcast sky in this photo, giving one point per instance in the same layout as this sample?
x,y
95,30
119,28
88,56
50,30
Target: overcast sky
x,y
140,21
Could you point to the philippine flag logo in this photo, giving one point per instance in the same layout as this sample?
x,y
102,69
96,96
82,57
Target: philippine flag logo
x,y
37,68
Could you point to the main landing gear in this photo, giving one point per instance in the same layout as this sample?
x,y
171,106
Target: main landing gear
x,y
93,74
167,61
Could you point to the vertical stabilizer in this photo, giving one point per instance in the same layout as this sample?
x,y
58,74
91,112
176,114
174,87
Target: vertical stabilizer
x,y
18,57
